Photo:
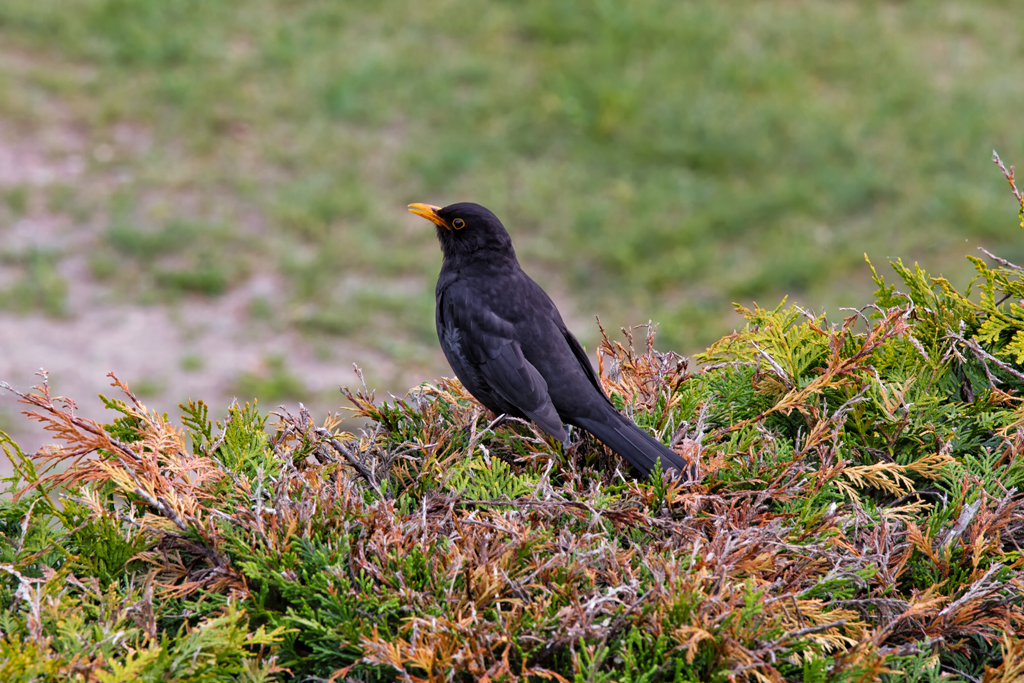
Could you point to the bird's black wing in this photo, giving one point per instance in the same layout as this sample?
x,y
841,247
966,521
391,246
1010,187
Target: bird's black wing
x,y
516,380
581,356
488,349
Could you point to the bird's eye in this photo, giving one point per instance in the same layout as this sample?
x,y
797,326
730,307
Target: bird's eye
x,y
458,224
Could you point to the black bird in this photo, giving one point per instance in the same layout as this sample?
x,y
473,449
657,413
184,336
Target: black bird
x,y
506,342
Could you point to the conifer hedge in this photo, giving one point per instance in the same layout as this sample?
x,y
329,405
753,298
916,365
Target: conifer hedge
x,y
859,517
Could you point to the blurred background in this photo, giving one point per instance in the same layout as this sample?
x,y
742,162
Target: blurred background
x,y
207,197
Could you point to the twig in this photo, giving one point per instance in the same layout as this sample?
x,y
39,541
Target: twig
x,y
789,635
1000,261
349,456
779,372
982,353
1009,176
966,517
161,506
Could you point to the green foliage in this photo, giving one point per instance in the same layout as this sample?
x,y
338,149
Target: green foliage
x,y
218,649
485,478
196,418
243,443
105,549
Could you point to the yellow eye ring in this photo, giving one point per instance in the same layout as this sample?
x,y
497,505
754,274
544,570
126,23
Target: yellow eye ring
x,y
458,224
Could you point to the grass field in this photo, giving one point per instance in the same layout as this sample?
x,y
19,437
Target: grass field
x,y
654,160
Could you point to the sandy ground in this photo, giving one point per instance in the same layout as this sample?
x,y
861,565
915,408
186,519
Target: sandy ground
x,y
137,342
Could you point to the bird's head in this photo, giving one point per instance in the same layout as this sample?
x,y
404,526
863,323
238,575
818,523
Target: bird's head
x,y
466,228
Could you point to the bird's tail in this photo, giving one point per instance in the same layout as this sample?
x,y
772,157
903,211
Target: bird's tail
x,y
639,448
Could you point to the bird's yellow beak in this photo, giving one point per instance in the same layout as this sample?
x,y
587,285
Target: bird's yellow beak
x,y
429,212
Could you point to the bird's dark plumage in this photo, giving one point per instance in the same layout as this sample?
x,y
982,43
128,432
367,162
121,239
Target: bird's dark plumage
x,y
506,342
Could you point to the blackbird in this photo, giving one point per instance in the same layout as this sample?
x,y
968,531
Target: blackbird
x,y
506,342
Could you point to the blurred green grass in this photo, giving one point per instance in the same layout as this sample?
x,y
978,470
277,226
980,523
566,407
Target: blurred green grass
x,y
653,159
